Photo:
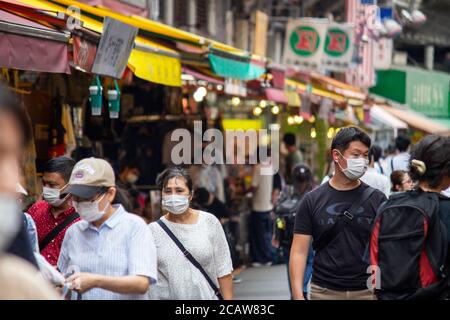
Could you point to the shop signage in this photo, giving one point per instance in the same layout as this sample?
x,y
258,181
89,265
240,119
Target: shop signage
x,y
304,42
338,47
84,53
114,49
317,43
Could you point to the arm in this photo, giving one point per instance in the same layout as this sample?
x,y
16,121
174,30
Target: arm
x,y
226,287
297,264
83,282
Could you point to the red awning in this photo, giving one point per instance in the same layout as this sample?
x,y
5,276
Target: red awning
x,y
276,95
201,76
27,45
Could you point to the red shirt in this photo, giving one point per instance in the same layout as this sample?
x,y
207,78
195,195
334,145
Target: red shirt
x,y
46,222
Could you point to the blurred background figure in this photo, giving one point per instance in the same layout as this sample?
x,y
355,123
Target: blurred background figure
x,y
293,157
19,278
401,181
372,177
285,211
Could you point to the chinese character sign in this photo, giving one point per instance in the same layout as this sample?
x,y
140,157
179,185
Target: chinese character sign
x,y
304,41
338,47
114,48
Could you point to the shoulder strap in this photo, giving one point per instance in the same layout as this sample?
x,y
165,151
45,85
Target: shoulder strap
x,y
343,219
56,230
191,259
392,164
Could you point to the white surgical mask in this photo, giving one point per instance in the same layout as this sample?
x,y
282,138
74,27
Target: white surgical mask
x,y
132,178
9,219
356,168
52,196
89,211
176,204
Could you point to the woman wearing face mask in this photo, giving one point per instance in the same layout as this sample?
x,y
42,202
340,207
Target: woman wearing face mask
x,y
111,251
201,269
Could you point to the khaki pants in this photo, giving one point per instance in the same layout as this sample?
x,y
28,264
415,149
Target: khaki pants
x,y
319,293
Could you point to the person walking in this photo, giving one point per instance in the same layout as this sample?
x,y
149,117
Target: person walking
x,y
373,178
293,157
53,215
194,261
401,160
260,220
286,210
110,252
337,216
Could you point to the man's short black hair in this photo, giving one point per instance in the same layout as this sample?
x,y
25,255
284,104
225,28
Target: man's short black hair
x,y
129,163
347,135
9,104
289,139
202,196
61,165
402,142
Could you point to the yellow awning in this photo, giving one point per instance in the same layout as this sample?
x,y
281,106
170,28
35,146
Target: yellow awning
x,y
149,60
155,68
316,91
154,27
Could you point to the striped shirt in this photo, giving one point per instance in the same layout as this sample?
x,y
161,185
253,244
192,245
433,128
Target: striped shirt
x,y
122,246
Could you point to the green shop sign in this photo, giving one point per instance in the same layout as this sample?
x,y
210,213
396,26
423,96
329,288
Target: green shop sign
x,y
337,42
304,41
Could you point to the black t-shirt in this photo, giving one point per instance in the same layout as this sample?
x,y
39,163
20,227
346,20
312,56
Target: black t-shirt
x,y
341,264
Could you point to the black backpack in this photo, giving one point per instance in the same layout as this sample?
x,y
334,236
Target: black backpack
x,y
285,212
408,248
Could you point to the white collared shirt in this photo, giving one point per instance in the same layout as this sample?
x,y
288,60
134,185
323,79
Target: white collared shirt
x,y
122,246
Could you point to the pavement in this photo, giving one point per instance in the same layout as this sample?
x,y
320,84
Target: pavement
x,y
263,283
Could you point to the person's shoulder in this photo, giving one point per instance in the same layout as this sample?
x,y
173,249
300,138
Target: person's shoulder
x,y
318,191
38,208
377,195
208,217
134,220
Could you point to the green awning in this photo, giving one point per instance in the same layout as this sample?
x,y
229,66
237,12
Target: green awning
x,y
233,66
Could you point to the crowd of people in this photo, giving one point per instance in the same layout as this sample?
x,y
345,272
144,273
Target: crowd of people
x,y
88,237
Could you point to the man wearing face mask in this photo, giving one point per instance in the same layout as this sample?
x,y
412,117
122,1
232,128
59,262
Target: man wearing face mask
x,y
54,215
127,178
338,217
111,251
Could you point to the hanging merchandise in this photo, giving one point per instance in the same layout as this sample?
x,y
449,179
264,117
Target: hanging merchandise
x,y
96,96
114,101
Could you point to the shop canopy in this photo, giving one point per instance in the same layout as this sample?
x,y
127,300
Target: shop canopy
x,y
417,120
338,87
27,45
202,76
387,118
231,66
302,88
149,60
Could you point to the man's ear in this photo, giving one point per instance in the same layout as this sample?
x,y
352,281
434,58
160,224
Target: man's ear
x,y
112,194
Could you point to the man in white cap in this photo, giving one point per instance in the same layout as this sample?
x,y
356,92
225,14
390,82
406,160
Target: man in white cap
x,y
111,253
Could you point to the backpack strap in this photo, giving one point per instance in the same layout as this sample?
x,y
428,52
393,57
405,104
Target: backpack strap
x,y
191,259
343,219
56,230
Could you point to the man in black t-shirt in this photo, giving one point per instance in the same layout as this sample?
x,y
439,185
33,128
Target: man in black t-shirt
x,y
339,268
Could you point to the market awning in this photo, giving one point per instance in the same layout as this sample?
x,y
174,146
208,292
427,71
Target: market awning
x,y
302,88
27,45
418,121
339,87
276,95
201,76
117,6
387,118
150,27
149,60
232,66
